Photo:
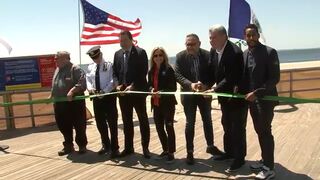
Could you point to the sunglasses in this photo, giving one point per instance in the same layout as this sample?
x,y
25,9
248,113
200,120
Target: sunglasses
x,y
158,55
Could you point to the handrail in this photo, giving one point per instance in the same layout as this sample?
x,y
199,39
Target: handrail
x,y
9,112
292,80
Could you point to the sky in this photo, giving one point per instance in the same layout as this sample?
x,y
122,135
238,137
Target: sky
x,y
36,27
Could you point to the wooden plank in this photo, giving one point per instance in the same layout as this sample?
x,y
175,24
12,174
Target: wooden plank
x,y
33,152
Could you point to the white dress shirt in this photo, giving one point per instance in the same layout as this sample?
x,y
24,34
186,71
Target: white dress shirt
x,y
220,52
106,79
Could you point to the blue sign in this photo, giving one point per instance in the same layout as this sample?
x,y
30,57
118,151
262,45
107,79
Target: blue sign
x,y
21,71
2,83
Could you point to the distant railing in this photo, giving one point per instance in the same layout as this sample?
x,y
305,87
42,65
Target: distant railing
x,y
9,112
300,82
296,82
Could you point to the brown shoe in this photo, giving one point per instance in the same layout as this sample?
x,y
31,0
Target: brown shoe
x,y
65,151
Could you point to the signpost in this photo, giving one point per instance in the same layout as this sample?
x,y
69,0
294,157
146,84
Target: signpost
x,y
25,74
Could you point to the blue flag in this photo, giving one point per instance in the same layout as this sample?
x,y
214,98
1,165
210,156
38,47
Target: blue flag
x,y
240,15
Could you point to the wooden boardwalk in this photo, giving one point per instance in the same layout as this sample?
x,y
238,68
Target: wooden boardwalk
x,y
33,151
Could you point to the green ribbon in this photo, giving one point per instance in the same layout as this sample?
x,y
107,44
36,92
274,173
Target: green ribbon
x,y
62,99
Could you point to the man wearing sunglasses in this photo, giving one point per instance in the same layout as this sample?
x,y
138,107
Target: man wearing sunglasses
x,y
192,73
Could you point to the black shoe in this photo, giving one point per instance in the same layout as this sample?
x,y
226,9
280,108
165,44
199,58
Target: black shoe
x,y
213,150
162,155
170,158
236,164
82,150
103,150
190,159
224,157
146,154
126,152
65,151
114,154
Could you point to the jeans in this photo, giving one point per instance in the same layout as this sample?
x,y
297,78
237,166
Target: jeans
x,y
190,104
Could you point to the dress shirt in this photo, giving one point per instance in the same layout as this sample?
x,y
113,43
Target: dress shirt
x,y
105,74
220,52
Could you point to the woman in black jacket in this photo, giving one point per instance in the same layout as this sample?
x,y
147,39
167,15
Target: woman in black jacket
x,y
161,79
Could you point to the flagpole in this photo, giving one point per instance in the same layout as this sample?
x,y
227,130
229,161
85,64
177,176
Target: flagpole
x,y
79,30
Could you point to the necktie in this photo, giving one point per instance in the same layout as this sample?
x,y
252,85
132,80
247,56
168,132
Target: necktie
x,y
196,68
125,65
97,78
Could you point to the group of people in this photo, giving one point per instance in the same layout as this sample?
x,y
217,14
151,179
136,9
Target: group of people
x,y
225,68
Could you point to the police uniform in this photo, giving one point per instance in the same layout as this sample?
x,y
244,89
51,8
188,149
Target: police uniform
x,y
100,80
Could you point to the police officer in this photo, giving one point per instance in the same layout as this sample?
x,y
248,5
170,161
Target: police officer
x,y
99,81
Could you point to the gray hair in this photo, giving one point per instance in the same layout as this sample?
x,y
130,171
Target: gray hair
x,y
194,36
218,28
63,54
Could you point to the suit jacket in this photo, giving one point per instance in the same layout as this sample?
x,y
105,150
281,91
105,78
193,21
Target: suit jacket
x,y
265,71
166,83
229,70
137,68
184,73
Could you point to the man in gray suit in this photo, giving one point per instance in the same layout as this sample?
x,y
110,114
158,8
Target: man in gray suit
x,y
192,71
262,73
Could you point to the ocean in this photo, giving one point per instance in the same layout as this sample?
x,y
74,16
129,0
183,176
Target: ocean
x,y
299,55
285,56
290,55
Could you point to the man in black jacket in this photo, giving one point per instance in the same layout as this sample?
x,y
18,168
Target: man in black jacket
x,y
262,73
130,68
227,61
192,73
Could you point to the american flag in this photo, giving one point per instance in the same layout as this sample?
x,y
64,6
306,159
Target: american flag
x,y
103,28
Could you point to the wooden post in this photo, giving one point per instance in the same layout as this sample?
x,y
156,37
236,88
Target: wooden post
x,y
31,110
9,112
291,82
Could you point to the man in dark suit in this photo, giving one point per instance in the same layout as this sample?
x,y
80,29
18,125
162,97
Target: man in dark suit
x,y
227,61
192,73
130,69
262,73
